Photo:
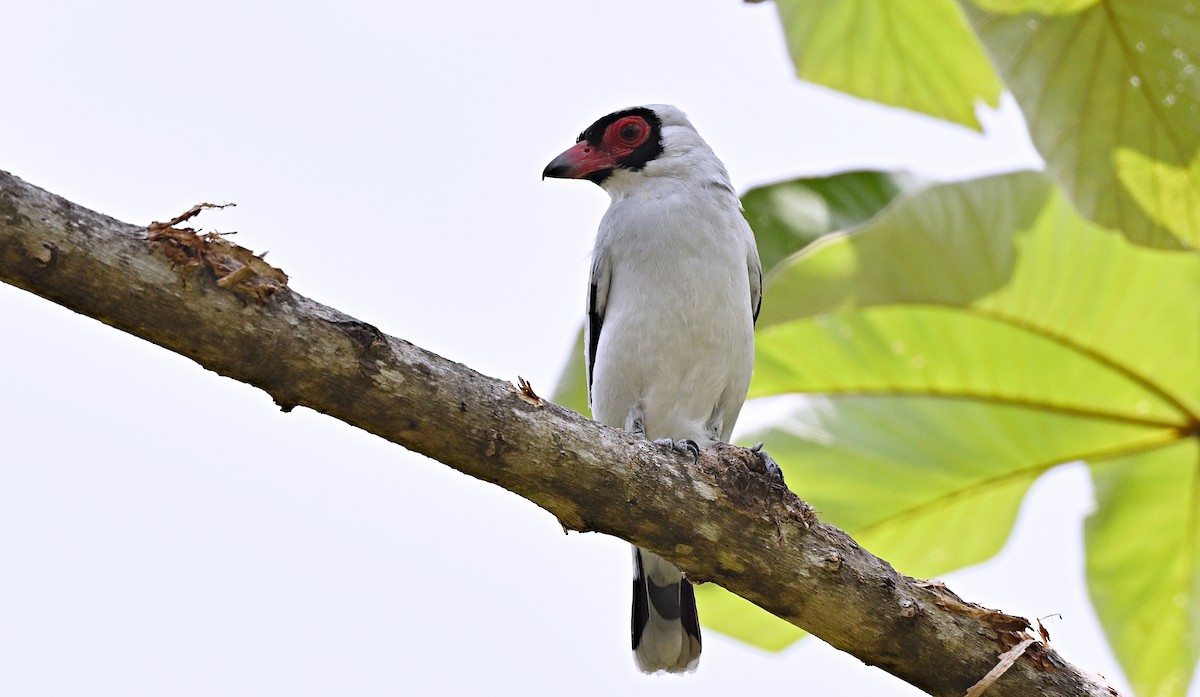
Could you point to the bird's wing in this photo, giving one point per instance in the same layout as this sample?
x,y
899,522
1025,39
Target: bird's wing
x,y
596,301
755,267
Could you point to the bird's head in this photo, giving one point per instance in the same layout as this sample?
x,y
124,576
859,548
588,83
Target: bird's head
x,y
633,144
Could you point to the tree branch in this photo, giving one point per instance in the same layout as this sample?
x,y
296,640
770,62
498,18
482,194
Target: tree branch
x,y
230,312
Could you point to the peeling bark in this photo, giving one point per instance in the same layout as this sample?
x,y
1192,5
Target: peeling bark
x,y
761,543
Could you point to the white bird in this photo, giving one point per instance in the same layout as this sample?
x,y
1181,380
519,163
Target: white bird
x,y
675,289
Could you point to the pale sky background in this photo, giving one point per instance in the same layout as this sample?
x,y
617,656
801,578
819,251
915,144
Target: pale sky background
x,y
166,531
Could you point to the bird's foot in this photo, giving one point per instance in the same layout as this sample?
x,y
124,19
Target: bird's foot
x,y
688,447
773,471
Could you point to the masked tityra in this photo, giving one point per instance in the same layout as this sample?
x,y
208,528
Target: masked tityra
x,y
675,290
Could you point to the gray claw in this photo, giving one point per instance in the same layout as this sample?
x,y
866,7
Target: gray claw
x,y
774,472
682,446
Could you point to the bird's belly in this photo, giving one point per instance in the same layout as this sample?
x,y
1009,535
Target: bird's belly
x,y
682,367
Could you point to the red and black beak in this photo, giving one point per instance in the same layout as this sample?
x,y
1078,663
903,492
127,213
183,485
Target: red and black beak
x,y
581,161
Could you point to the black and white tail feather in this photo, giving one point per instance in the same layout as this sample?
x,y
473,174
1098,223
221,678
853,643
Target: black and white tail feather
x,y
666,626
675,288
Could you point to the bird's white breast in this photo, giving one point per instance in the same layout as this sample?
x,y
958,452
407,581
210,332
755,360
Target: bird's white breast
x,y
677,337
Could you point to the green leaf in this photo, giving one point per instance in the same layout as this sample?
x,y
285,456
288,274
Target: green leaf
x,y
940,358
729,613
571,390
1165,193
1143,566
932,483
1011,247
884,264
1046,7
1111,92
920,56
788,215
931,350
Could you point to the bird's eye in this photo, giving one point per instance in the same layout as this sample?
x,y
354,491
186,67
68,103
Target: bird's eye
x,y
631,131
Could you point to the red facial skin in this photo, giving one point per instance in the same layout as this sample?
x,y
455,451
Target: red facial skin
x,y
620,139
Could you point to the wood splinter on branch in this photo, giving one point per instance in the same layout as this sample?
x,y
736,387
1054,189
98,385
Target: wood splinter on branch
x,y
526,391
1006,660
234,267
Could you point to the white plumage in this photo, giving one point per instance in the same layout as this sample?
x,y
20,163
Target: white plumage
x,y
675,289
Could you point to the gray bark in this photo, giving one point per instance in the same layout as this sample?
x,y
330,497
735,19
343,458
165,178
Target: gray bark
x,y
233,314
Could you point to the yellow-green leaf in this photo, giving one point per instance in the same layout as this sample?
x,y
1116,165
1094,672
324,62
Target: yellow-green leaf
x,y
731,614
1164,192
788,215
972,336
1143,563
1111,92
571,389
1046,7
919,56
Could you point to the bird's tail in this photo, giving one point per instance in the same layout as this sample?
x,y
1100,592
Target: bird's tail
x,y
666,629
